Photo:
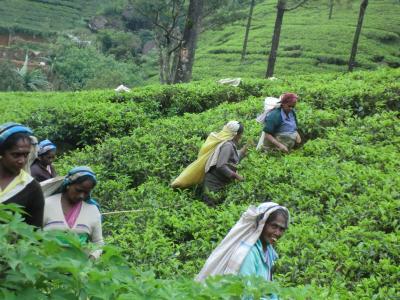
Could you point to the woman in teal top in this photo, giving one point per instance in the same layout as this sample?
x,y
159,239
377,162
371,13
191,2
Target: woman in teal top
x,y
248,248
281,125
262,256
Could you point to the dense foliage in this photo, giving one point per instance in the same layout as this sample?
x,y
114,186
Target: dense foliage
x,y
35,265
83,68
341,185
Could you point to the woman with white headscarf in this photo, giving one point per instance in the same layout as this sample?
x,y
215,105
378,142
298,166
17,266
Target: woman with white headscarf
x,y
42,169
248,248
221,166
216,161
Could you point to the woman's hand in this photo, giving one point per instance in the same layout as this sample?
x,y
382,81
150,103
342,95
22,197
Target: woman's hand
x,y
298,138
238,177
283,148
243,151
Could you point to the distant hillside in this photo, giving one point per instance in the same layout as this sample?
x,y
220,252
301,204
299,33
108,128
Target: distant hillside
x,y
310,42
45,16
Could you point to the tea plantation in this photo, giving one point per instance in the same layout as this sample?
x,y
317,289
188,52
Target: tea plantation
x,y
341,187
310,42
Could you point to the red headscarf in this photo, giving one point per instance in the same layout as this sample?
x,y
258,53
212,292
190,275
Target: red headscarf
x,y
288,98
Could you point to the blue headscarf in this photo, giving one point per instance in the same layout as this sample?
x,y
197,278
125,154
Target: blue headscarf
x,y
45,146
8,129
78,172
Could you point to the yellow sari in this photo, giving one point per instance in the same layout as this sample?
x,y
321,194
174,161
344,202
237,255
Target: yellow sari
x,y
195,172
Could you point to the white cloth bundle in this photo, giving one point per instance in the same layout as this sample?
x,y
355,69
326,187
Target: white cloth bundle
x,y
231,252
270,103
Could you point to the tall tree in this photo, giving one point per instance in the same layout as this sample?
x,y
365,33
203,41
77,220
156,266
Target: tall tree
x,y
189,41
352,60
282,7
166,17
246,35
169,18
330,9
333,3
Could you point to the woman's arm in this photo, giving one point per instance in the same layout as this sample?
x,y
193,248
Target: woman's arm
x,y
35,208
222,162
274,141
97,236
298,138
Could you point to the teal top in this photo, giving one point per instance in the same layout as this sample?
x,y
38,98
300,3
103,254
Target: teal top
x,y
83,239
260,263
273,121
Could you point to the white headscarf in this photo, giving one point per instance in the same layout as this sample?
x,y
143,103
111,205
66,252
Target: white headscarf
x,y
231,252
232,126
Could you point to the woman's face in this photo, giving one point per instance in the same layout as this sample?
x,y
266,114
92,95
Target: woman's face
x,y
288,107
14,159
238,137
48,158
273,230
77,192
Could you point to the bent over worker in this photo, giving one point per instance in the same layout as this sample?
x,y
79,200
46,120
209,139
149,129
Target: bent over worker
x,y
280,125
221,167
216,163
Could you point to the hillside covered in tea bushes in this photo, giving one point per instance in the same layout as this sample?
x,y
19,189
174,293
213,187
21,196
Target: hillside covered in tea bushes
x,y
310,41
341,187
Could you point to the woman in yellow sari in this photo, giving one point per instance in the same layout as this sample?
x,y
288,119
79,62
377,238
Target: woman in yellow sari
x,y
216,161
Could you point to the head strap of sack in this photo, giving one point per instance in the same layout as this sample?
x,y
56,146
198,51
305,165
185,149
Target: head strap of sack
x,y
8,129
45,146
78,172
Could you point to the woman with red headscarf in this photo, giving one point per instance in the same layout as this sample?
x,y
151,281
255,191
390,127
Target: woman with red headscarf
x,y
280,125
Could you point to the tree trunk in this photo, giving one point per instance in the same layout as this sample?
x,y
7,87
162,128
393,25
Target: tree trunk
x,y
275,38
352,60
330,9
246,35
187,51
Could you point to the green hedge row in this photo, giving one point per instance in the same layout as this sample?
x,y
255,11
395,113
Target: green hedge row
x,y
71,119
173,100
74,119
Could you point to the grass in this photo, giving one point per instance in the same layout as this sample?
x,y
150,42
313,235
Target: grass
x,y
45,17
320,45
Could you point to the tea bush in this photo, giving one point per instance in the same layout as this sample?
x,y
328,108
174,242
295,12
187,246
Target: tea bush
x,y
85,118
71,119
35,265
342,194
341,187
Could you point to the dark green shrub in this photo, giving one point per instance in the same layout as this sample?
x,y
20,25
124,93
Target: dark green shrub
x,y
9,78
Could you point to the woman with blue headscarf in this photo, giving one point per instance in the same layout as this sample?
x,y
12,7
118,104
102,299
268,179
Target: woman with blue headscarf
x,y
73,209
16,185
42,168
